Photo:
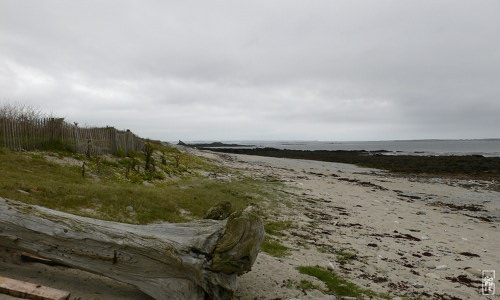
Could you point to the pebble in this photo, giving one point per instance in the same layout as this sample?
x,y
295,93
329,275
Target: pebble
x,y
424,237
130,209
330,266
475,272
441,267
432,275
418,285
421,213
430,266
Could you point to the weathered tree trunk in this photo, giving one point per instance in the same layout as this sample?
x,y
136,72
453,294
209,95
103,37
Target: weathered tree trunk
x,y
166,261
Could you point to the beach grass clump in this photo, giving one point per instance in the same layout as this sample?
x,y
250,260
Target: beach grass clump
x,y
345,255
337,285
277,227
303,285
100,187
307,285
334,283
176,160
326,248
274,248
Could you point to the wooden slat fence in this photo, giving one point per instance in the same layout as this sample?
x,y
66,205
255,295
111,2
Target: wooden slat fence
x,y
54,133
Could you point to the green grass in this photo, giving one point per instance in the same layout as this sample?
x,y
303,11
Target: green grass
x,y
105,192
276,227
345,255
337,285
307,285
186,161
325,249
302,285
274,248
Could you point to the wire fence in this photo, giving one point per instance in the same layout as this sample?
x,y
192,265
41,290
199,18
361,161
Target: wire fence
x,y
23,133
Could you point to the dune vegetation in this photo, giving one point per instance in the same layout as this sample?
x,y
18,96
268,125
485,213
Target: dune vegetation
x,y
169,185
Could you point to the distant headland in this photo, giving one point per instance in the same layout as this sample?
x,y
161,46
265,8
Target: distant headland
x,y
211,145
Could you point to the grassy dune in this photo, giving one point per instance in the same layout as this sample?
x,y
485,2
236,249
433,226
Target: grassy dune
x,y
121,189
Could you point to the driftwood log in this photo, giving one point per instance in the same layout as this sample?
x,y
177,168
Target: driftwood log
x,y
195,260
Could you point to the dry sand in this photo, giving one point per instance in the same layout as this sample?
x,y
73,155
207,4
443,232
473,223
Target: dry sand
x,y
403,245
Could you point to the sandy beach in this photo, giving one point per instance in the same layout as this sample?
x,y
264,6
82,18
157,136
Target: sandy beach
x,y
250,150
404,245
405,238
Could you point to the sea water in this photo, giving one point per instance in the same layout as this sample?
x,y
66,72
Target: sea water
x,y
485,147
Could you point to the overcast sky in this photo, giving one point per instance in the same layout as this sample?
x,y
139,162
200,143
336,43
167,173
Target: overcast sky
x,y
259,70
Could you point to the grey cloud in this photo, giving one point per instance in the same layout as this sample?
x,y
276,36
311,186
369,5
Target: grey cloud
x,y
261,69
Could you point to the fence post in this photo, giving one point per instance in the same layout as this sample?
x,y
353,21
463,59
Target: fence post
x,y
127,148
56,130
114,146
4,121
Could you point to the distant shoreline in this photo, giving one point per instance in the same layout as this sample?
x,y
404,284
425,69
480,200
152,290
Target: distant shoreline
x,y
212,144
470,166
485,147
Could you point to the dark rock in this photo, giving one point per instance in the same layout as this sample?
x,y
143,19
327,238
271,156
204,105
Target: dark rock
x,y
463,279
220,211
380,279
407,237
414,272
469,254
468,207
483,167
